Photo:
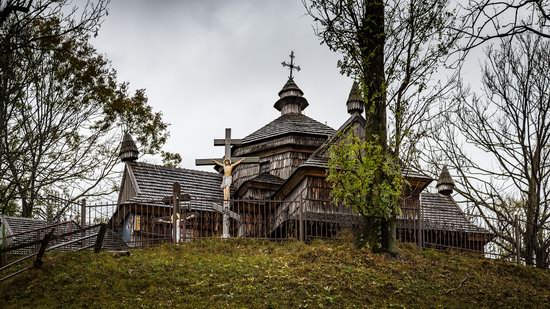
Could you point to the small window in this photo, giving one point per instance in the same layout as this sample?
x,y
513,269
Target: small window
x,y
265,167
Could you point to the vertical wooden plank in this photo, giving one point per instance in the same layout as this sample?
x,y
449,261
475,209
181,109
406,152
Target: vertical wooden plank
x,y
227,143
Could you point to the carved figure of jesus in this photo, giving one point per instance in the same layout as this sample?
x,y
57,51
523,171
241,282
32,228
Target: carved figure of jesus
x,y
227,176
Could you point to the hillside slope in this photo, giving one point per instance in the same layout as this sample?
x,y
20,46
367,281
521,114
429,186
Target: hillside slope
x,y
244,273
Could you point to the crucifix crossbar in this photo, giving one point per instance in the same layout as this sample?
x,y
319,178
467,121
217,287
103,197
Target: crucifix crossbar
x,y
227,142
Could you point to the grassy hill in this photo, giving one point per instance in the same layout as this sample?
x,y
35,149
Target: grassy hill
x,y
246,273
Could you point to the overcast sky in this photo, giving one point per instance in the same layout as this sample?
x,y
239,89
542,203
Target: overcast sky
x,y
208,65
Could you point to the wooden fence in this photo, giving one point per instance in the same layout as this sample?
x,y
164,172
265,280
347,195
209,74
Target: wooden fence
x,y
181,218
18,249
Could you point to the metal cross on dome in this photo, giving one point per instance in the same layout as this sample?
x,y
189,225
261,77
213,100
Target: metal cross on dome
x,y
291,65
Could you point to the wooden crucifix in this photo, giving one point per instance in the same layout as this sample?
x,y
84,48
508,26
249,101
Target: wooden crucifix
x,y
228,163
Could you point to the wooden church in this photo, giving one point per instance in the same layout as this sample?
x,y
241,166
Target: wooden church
x,y
284,194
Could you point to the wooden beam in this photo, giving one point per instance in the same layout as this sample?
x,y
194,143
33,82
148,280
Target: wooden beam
x,y
207,161
247,160
233,159
232,142
230,213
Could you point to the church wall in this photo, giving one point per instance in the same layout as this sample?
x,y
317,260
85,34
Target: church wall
x,y
290,208
128,190
281,165
245,172
291,108
318,197
284,164
299,190
318,188
257,194
283,154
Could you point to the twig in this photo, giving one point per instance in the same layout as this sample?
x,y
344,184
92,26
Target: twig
x,y
459,285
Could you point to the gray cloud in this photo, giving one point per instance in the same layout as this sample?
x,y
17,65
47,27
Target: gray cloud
x,y
208,65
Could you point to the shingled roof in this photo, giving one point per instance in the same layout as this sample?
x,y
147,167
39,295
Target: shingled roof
x,y
155,182
288,124
441,212
268,179
18,225
319,158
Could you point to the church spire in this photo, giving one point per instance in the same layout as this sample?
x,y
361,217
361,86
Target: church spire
x,y
355,100
291,100
128,149
445,183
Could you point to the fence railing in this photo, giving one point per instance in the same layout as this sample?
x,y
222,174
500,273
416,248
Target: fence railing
x,y
20,248
144,223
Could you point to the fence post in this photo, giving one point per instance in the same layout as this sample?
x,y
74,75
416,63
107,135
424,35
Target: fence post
x,y
420,225
518,240
3,242
42,250
176,190
100,237
301,218
83,213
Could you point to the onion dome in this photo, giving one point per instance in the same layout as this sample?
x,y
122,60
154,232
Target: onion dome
x,y
128,150
291,99
445,183
355,100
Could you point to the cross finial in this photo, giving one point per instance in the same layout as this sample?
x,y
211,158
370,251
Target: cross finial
x,y
291,65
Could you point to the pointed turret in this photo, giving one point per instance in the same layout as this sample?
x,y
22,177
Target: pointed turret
x,y
128,149
291,99
355,100
445,183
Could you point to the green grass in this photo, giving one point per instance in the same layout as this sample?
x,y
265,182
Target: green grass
x,y
246,273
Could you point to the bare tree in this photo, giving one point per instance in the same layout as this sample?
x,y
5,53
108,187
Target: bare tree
x,y
420,37
63,111
484,20
499,143
395,65
16,17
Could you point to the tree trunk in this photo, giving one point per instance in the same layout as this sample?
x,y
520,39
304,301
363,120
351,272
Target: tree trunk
x,y
371,40
541,257
531,224
370,234
392,233
384,234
